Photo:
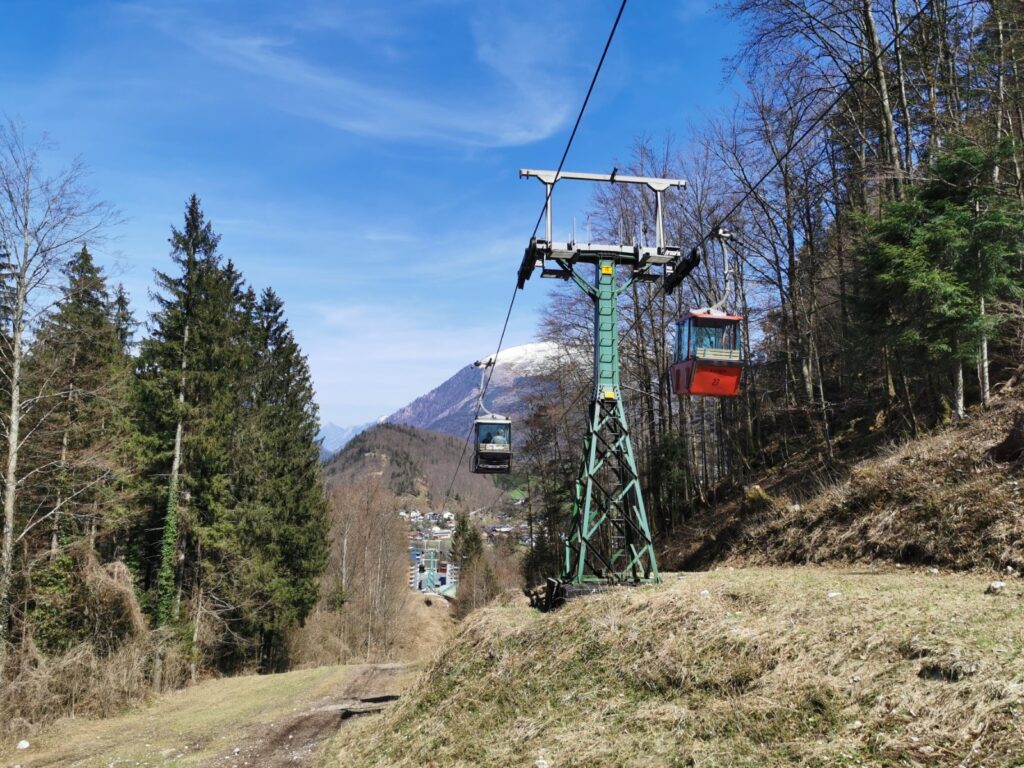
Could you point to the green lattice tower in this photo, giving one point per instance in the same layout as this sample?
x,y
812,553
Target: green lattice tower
x,y
609,537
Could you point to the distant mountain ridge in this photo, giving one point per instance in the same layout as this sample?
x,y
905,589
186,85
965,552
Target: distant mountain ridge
x,y
333,438
451,406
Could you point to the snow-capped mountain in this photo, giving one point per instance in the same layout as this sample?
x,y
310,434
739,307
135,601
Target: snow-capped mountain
x,y
450,407
333,437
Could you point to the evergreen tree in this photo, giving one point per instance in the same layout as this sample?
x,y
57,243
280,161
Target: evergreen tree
x,y
230,438
284,523
166,385
80,445
927,264
79,351
467,544
124,321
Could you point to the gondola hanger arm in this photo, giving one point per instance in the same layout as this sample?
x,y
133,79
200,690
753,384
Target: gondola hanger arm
x,y
483,365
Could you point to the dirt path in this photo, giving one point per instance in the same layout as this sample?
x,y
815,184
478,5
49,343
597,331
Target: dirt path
x,y
241,722
299,740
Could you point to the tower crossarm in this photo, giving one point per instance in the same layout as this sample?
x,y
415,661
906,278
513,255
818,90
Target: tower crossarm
x,y
565,254
655,183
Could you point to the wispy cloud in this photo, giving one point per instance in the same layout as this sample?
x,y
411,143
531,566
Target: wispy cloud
x,y
366,21
522,99
526,51
388,237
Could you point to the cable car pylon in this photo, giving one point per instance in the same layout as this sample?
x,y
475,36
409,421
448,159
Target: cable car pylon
x,y
609,538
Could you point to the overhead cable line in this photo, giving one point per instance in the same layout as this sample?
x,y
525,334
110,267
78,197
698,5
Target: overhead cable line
x,y
540,217
579,117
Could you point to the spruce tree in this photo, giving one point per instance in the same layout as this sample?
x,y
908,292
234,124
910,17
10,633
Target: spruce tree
x,y
467,544
927,265
166,390
230,429
124,321
79,351
284,522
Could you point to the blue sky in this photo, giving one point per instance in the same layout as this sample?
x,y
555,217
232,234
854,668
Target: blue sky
x,y
361,158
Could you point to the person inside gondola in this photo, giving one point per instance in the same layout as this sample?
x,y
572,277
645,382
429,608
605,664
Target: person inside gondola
x,y
709,337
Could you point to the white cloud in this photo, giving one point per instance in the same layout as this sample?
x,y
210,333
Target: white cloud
x,y
372,358
526,51
520,98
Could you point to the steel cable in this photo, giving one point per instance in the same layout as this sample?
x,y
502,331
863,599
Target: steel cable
x,y
561,164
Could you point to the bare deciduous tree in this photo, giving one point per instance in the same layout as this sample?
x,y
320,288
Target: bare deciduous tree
x,y
370,560
43,219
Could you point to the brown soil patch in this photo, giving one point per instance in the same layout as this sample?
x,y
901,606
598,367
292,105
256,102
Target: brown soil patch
x,y
298,741
245,721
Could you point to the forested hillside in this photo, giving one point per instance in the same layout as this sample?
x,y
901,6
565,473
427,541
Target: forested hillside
x,y
872,180
951,499
163,510
414,464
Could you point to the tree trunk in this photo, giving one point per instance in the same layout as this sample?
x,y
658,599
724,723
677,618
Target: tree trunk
x,y
169,550
908,154
826,428
908,403
983,379
11,472
885,108
55,532
344,561
1019,134
749,386
1000,104
958,390
193,665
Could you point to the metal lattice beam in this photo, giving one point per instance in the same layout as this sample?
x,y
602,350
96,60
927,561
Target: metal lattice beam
x,y
609,536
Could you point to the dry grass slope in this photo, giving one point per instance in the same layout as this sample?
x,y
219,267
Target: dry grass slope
x,y
253,720
941,500
761,667
100,675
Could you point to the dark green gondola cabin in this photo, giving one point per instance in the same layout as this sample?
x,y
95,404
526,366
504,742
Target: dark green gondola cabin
x,y
492,445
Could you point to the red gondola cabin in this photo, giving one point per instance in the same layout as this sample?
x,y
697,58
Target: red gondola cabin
x,y
709,356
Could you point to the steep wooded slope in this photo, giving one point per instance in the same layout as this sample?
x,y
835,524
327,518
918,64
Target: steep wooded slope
x,y
944,499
